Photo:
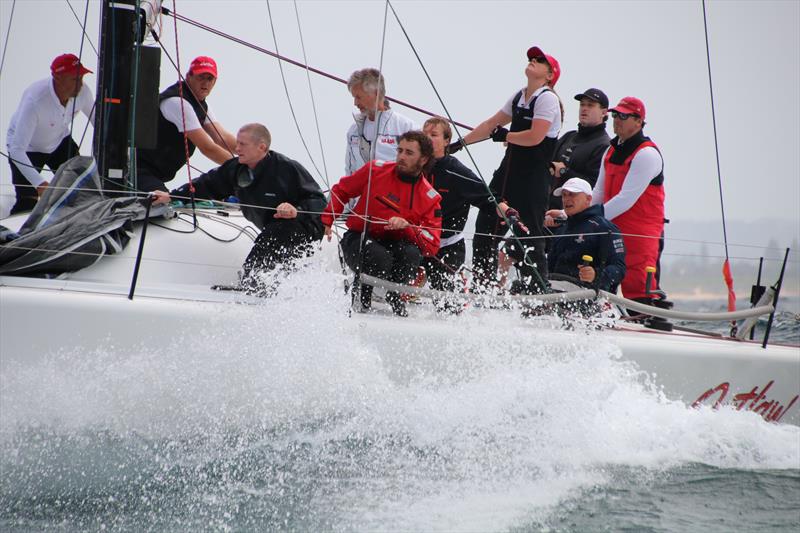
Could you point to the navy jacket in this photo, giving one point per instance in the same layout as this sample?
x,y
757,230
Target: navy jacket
x,y
459,188
607,250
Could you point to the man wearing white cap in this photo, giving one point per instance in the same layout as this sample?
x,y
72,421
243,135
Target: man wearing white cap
x,y
39,131
586,232
183,109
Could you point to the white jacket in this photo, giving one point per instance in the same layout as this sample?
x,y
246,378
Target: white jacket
x,y
361,137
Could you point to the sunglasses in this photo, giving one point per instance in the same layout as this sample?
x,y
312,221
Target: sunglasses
x,y
623,116
539,59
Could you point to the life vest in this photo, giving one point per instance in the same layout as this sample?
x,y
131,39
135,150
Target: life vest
x,y
169,156
646,215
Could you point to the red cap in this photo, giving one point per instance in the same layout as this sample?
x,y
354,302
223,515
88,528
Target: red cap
x,y
203,64
535,51
67,64
630,105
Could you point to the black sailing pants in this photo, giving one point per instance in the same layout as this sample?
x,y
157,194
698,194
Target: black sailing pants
x,y
25,192
280,241
395,261
442,277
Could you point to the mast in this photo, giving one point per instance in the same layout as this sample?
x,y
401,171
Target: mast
x,y
127,90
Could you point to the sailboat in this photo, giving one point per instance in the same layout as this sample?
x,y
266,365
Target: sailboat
x,y
164,271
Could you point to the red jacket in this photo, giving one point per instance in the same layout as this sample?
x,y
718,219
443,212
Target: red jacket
x,y
417,202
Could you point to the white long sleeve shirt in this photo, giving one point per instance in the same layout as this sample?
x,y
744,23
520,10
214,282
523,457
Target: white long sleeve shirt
x,y
40,123
646,165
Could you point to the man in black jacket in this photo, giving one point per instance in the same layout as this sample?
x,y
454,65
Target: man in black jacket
x,y
586,232
277,194
579,153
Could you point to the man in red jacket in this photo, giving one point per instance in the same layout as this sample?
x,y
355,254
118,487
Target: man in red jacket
x,y
400,212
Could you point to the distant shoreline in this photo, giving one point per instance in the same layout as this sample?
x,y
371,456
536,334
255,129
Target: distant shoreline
x,y
698,294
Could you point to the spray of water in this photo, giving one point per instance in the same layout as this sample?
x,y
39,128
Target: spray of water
x,y
290,414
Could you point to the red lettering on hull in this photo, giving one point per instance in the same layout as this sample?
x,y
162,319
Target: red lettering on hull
x,y
754,400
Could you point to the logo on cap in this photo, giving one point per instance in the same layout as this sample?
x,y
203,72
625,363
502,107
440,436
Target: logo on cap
x,y
66,63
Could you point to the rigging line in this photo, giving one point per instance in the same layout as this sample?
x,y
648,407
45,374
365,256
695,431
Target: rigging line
x,y
503,216
237,40
83,28
133,178
8,32
373,148
714,122
339,251
311,93
181,83
288,97
182,79
79,76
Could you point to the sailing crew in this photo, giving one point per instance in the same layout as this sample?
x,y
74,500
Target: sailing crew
x,y
277,194
586,233
579,153
398,209
39,133
523,177
459,188
630,188
377,128
183,108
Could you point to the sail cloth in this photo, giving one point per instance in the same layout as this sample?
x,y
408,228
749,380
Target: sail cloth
x,y
72,226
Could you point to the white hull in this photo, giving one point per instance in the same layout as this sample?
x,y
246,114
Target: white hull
x,y
91,309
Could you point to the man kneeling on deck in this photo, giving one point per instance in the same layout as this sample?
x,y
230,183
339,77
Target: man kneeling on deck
x,y
400,212
586,233
277,194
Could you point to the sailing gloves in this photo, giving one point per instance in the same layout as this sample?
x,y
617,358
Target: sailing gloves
x,y
455,147
513,219
499,134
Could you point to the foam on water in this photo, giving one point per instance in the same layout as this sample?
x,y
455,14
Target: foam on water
x,y
291,414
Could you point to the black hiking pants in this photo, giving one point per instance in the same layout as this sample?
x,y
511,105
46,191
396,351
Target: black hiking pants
x,y
24,190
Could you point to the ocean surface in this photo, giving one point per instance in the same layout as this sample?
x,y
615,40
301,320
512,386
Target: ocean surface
x,y
289,422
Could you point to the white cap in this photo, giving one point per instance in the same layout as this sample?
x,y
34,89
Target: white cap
x,y
575,185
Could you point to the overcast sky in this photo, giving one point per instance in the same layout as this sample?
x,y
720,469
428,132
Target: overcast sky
x,y
475,53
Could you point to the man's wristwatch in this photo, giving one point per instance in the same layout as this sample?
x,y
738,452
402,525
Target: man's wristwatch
x,y
562,171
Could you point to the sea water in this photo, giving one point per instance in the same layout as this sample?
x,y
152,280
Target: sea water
x,y
295,419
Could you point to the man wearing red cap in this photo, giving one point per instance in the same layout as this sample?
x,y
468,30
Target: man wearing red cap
x,y
523,177
184,103
630,187
39,131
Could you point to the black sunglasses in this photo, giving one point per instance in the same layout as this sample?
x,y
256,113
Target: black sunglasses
x,y
623,116
539,59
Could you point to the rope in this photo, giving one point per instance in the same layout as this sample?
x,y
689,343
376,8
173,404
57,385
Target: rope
x,y
83,28
8,33
310,92
492,198
373,147
288,60
288,97
80,62
726,269
156,38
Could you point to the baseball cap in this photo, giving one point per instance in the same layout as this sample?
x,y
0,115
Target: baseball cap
x,y
594,94
535,51
202,65
630,105
68,63
574,185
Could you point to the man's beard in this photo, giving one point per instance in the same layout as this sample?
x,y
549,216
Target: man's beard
x,y
412,172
